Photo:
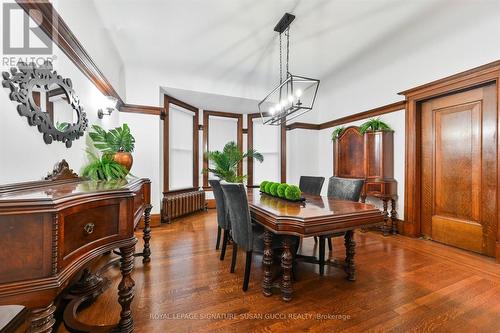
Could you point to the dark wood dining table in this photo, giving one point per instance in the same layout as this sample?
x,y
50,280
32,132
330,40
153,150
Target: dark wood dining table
x,y
316,216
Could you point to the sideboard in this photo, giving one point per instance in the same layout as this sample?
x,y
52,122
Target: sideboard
x,y
51,231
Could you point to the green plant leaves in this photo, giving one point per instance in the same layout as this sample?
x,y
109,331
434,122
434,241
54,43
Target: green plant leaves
x,y
337,132
104,168
374,124
225,162
114,140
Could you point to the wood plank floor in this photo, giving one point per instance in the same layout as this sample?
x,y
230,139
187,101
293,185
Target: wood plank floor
x,y
403,285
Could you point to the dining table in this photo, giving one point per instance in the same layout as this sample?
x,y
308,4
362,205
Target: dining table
x,y
312,216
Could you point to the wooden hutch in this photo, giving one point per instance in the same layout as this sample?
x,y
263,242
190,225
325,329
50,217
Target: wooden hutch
x,y
370,157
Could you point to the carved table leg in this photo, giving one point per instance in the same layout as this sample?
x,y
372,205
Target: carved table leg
x,y
286,265
147,234
385,227
394,216
267,262
126,288
42,319
350,250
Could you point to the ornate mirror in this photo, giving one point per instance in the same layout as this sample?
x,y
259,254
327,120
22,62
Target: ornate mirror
x,y
47,100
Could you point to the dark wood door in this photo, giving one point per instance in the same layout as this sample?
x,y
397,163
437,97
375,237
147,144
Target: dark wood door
x,y
459,169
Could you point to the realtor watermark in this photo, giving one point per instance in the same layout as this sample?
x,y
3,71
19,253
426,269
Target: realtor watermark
x,y
249,316
23,38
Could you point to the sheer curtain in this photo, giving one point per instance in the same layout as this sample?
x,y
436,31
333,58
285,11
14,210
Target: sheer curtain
x,y
266,140
181,148
221,131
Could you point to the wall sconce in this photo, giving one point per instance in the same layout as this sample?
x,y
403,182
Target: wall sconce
x,y
108,108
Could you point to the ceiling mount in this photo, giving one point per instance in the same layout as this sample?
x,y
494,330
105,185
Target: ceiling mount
x,y
285,21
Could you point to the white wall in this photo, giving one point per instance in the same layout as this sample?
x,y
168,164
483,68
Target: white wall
x,y
85,22
23,154
146,154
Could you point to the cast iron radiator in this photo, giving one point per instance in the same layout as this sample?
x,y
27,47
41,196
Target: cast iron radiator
x,y
180,204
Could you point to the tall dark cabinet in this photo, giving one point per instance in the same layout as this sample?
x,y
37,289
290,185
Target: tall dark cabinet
x,y
370,156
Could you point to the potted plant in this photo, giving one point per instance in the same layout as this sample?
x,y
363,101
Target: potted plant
x,y
118,142
374,124
225,162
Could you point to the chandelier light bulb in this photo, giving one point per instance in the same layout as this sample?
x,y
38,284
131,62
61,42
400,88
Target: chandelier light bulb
x,y
298,93
271,110
290,99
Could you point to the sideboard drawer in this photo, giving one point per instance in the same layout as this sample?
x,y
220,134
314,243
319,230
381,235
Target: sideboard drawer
x,y
90,225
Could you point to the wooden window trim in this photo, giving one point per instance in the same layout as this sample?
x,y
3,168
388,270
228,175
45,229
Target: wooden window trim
x,y
239,137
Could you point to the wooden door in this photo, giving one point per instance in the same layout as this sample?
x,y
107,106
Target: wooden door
x,y
459,169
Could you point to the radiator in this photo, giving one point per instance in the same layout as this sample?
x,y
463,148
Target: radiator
x,y
180,204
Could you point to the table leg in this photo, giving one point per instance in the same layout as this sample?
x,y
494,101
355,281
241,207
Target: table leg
x,y
267,262
350,250
42,319
394,216
286,266
147,235
321,255
385,227
126,288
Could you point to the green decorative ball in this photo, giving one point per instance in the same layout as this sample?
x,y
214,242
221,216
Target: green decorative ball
x,y
281,190
274,189
263,186
268,187
293,192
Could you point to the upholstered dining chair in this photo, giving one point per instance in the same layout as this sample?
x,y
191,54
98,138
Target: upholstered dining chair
x,y
311,185
245,234
223,223
340,189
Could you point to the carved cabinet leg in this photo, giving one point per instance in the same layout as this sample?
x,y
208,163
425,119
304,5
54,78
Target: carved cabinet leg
x,y
394,216
126,288
42,319
286,266
350,250
267,262
385,227
147,234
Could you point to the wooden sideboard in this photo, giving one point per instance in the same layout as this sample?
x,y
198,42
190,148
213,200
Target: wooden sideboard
x,y
369,156
51,231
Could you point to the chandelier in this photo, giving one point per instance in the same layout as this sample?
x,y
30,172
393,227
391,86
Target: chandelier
x,y
295,95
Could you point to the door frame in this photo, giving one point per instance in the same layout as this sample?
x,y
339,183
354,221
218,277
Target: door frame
x,y
487,74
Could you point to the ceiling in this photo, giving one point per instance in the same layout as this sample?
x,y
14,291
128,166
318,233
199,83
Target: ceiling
x,y
233,42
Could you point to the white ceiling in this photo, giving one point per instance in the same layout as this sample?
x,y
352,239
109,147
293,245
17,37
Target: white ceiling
x,y
233,41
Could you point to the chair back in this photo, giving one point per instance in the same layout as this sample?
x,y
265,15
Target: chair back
x,y
345,188
239,214
311,185
222,214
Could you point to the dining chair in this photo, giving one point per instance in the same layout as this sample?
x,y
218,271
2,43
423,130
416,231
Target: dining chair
x,y
245,234
223,223
341,189
311,185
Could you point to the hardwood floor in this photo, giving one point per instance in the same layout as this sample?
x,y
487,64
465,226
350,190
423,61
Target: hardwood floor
x,y
403,285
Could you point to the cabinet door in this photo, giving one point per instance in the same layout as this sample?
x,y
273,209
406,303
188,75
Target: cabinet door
x,y
349,154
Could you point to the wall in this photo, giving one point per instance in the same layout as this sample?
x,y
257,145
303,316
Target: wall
x,y
23,154
85,22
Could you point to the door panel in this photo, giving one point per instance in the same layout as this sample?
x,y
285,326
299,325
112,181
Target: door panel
x,y
458,167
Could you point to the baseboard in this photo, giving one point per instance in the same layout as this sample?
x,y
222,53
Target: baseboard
x,y
210,203
155,221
